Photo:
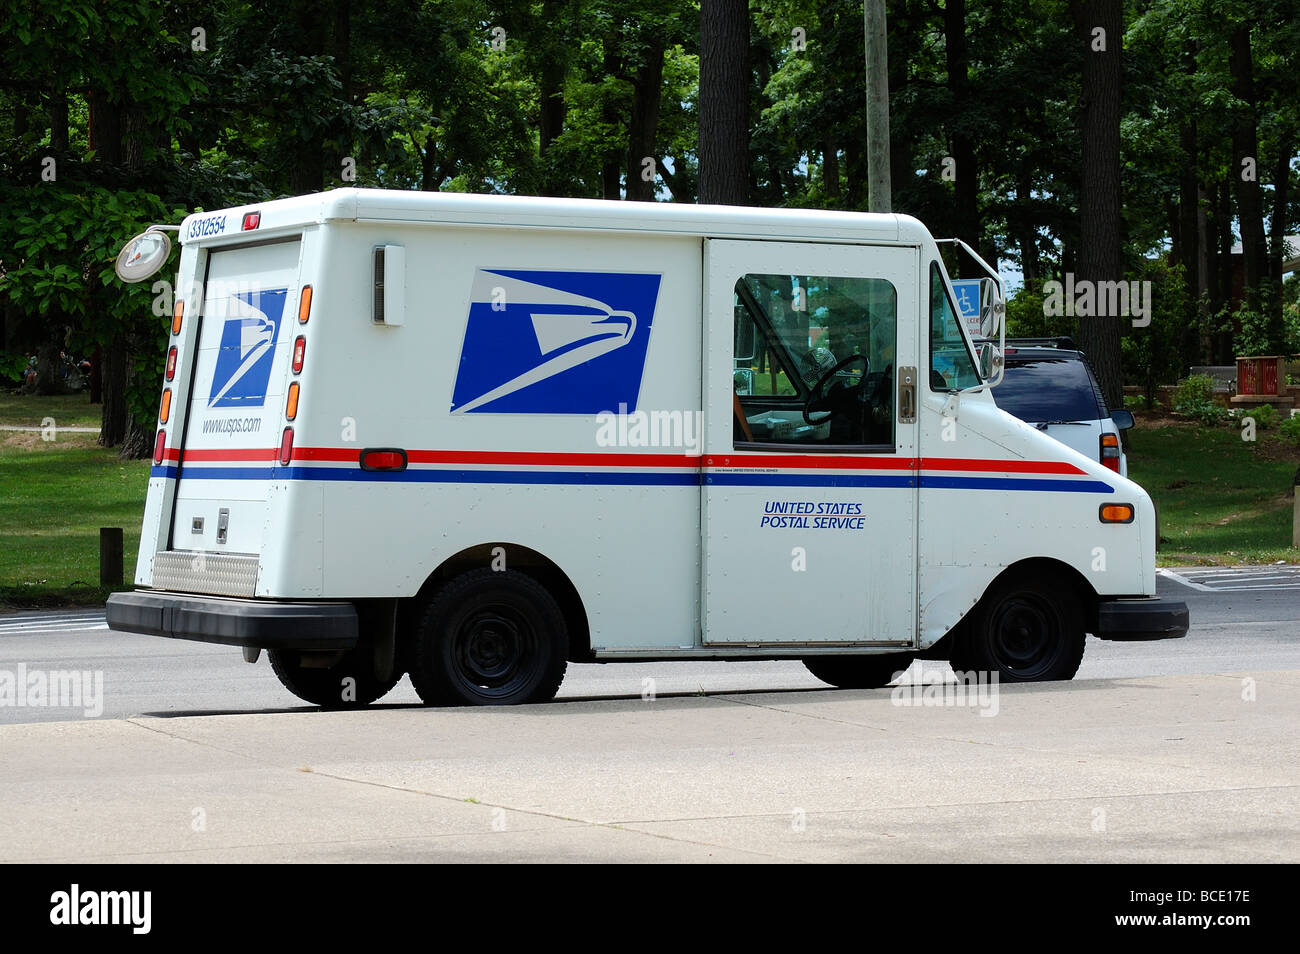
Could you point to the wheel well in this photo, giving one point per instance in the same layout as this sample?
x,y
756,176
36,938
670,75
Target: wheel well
x,y
1032,568
515,557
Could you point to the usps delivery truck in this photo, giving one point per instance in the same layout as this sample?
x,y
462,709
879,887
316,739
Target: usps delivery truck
x,y
473,438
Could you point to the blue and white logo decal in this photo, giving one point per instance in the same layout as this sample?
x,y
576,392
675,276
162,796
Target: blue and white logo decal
x,y
247,348
543,342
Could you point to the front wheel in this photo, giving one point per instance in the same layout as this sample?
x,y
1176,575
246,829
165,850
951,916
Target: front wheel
x,y
490,638
858,672
1026,632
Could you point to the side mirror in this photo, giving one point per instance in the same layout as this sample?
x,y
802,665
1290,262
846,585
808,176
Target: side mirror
x,y
992,308
1123,419
991,362
143,255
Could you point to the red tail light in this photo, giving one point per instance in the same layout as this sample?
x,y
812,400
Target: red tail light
x,y
299,353
159,443
171,362
252,220
286,446
1110,451
383,458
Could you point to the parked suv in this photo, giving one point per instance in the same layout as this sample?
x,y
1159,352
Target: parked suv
x,y
1050,384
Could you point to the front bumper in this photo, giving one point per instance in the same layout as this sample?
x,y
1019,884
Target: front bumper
x,y
1138,619
256,624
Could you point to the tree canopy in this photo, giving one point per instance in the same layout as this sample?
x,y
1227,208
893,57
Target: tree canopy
x,y
118,113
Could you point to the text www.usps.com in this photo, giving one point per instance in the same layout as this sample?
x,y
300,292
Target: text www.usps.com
x,y
1203,921
232,425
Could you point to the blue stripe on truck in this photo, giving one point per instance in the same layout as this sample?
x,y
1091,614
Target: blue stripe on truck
x,y
636,478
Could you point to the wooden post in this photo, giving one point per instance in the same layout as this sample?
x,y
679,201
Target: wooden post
x,y
879,188
1295,518
110,556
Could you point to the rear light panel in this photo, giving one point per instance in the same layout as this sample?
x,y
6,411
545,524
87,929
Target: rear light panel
x,y
304,304
171,362
1110,451
159,445
165,410
286,446
291,403
177,314
252,220
299,353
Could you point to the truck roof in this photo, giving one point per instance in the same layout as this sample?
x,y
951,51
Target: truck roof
x,y
454,208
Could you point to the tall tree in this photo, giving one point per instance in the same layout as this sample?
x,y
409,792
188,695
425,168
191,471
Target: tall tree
x,y
1100,26
724,102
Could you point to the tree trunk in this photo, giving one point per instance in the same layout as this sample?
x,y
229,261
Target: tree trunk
x,y
1245,178
643,125
1277,253
831,171
112,427
610,166
724,102
96,376
963,149
1099,193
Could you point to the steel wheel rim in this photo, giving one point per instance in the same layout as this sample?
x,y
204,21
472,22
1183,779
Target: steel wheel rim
x,y
1025,635
492,650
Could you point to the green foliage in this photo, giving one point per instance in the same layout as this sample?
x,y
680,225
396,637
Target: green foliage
x,y
1194,398
1152,355
1289,430
1265,415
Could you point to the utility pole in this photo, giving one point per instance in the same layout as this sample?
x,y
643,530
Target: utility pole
x,y
879,189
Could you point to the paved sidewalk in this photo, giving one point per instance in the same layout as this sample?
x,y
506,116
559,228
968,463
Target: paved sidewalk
x,y
1169,769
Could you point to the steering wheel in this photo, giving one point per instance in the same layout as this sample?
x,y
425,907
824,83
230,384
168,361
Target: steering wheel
x,y
826,379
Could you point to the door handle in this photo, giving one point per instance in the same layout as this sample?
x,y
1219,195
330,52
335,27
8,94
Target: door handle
x,y
906,395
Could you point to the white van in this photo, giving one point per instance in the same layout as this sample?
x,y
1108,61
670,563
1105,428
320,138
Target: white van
x,y
472,438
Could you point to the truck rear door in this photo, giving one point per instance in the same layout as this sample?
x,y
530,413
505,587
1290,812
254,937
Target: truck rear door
x,y
236,411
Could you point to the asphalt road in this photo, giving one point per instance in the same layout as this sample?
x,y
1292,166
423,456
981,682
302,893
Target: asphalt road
x,y
1242,620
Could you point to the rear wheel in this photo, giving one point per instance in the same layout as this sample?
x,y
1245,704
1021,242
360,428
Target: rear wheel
x,y
858,672
1026,631
332,681
490,638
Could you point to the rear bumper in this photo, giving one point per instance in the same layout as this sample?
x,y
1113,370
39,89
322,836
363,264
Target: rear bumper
x,y
256,624
1139,619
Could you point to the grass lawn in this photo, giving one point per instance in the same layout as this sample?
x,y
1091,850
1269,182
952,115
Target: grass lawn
x,y
68,410
54,497
1221,499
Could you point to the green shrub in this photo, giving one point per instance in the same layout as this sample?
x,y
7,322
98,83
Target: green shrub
x,y
1194,398
1265,416
1290,430
1136,402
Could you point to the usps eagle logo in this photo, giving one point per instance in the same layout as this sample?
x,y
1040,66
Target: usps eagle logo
x,y
247,348
552,342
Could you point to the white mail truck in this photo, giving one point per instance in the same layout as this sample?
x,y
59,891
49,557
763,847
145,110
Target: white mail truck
x,y
474,438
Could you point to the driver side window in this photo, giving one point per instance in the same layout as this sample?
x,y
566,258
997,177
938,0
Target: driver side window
x,y
813,360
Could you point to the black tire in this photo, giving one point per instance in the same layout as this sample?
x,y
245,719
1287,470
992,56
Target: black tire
x,y
329,687
490,638
1026,631
858,672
